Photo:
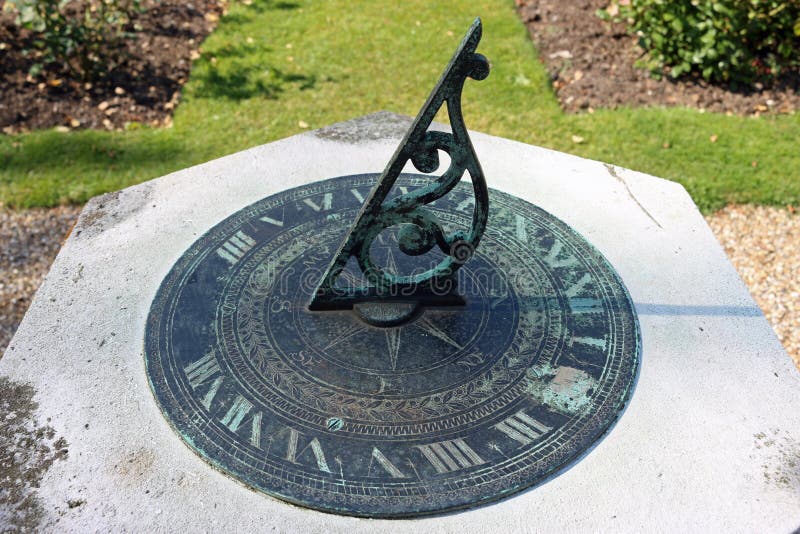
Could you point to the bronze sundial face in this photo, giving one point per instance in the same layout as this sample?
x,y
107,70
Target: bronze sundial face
x,y
394,368
459,406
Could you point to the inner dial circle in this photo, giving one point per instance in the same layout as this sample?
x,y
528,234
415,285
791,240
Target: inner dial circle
x,y
460,406
332,364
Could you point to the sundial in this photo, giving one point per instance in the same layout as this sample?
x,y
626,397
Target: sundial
x,y
394,344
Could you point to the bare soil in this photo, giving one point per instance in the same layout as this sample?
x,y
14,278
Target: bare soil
x,y
144,88
591,65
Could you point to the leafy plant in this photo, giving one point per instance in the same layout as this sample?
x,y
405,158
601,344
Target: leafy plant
x,y
737,41
82,36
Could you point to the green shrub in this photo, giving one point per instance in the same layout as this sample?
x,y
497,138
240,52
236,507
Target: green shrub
x,y
81,36
737,41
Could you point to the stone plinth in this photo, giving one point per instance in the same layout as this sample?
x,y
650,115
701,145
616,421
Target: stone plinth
x,y
710,439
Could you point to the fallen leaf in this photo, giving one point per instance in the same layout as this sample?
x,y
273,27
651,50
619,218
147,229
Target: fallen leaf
x,y
211,17
791,209
613,9
563,54
194,54
754,164
55,83
713,138
578,75
302,124
666,145
102,106
521,79
577,139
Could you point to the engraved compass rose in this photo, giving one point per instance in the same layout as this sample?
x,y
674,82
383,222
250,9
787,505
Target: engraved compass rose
x,y
394,344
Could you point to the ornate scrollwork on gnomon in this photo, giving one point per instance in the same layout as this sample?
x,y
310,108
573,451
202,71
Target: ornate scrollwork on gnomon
x,y
419,229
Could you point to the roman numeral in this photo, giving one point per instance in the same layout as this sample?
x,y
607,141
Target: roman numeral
x,y
292,454
255,431
200,371
448,456
585,305
327,202
468,202
238,410
272,221
578,286
384,462
552,256
523,428
591,341
522,233
358,195
235,247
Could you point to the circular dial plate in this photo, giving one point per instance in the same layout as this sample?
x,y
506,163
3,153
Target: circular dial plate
x,y
460,406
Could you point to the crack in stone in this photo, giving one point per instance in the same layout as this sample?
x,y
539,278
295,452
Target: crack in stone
x,y
613,172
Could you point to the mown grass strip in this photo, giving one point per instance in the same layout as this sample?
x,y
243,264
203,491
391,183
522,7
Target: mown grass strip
x,y
272,69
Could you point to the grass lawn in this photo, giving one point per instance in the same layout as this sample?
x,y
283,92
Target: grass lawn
x,y
272,68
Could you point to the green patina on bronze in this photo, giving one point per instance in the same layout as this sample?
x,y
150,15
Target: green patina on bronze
x,y
420,230
442,407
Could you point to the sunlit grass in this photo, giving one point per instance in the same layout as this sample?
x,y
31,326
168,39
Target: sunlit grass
x,y
272,69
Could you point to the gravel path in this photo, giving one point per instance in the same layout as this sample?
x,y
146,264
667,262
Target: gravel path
x,y
764,246
29,240
763,243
